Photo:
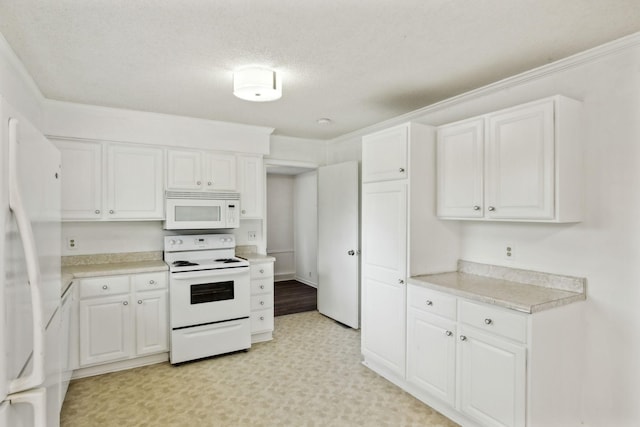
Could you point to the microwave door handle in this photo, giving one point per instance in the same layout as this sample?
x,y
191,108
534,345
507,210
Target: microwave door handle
x,y
36,377
208,273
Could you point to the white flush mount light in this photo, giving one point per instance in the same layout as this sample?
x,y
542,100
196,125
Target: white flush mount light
x,y
257,84
324,121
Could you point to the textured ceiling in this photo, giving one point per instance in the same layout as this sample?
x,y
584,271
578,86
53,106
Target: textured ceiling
x,y
356,62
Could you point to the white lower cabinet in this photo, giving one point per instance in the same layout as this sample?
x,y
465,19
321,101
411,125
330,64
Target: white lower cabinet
x,y
485,365
261,301
123,317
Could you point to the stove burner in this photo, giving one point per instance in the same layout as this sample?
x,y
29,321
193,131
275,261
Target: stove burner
x,y
227,260
183,263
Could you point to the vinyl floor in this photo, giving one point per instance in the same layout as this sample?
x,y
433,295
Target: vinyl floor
x,y
310,374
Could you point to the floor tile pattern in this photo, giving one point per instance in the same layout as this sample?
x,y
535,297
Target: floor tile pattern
x,y
309,375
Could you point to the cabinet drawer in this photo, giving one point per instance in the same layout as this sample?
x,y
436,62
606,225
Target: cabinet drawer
x,y
261,321
260,302
261,286
261,270
506,323
149,281
103,286
430,301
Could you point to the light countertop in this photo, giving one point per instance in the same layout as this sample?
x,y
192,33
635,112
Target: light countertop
x,y
533,292
256,258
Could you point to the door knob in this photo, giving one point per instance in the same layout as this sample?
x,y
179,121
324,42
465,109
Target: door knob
x,y
351,252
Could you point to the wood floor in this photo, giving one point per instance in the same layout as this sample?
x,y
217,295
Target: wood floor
x,y
291,296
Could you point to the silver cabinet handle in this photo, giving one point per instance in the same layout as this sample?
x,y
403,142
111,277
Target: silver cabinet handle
x,y
448,333
261,271
125,302
492,208
198,182
488,321
261,286
429,302
261,302
97,211
152,282
476,208
401,281
139,301
261,317
209,183
111,211
105,287
463,338
351,252
401,170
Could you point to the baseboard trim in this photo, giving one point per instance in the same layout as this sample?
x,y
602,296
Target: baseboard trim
x,y
120,365
265,336
283,276
306,282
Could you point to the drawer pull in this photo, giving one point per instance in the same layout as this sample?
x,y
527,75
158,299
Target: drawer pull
x,y
139,301
261,317
429,302
105,287
261,286
463,338
152,282
261,271
125,302
488,321
448,333
261,302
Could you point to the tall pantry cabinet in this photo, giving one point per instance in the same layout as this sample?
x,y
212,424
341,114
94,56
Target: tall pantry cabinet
x,y
401,237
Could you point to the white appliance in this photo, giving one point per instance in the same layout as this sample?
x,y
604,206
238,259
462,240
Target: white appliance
x,y
201,211
30,275
209,296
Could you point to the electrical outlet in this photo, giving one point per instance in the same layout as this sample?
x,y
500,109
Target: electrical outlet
x,y
252,236
509,252
72,243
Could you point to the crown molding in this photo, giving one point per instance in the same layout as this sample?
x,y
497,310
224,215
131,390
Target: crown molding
x,y
587,56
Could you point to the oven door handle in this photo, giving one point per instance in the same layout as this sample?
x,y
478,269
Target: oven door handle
x,y
209,273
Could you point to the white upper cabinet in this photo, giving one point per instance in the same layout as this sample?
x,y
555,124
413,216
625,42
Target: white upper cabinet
x,y
519,164
461,169
200,170
134,182
107,181
385,154
250,186
81,179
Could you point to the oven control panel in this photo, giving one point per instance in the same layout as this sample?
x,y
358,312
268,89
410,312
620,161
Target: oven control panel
x,y
199,241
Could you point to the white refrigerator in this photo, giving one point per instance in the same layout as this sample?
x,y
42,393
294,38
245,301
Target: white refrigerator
x,y
30,285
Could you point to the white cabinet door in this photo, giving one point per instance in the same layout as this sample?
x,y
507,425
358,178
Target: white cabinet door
x,y
184,170
220,172
152,322
384,267
251,186
491,379
81,179
520,163
460,154
134,182
385,154
105,329
431,354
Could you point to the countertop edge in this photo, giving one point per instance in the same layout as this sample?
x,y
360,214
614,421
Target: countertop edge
x,y
526,309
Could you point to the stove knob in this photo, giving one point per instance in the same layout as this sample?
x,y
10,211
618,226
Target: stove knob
x,y
179,241
172,242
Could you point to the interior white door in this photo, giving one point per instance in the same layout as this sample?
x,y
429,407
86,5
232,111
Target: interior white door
x,y
338,238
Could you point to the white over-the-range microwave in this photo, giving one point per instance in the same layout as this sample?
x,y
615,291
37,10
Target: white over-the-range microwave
x,y
187,210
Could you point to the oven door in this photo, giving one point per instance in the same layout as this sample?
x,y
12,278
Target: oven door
x,y
186,214
208,296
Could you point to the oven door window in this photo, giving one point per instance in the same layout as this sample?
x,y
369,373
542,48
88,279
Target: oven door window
x,y
211,292
198,213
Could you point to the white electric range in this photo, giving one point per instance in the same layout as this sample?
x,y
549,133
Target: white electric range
x,y
209,296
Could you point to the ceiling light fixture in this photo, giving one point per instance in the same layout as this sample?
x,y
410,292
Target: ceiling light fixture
x,y
257,84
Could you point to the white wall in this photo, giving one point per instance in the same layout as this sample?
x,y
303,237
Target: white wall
x,y
280,224
297,149
306,227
